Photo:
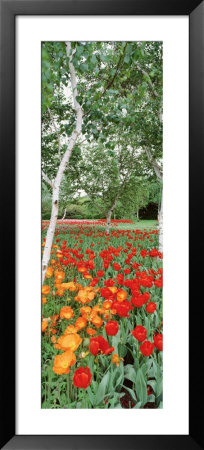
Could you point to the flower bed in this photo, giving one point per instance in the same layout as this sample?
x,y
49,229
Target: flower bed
x,y
102,319
114,222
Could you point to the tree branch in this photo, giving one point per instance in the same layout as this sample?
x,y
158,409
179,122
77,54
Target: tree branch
x,y
102,210
154,164
113,79
47,179
116,71
152,88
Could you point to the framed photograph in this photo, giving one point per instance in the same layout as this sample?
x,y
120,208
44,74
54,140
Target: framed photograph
x,y
101,144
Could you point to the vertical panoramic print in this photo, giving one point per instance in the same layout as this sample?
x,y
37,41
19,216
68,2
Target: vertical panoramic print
x,y
102,224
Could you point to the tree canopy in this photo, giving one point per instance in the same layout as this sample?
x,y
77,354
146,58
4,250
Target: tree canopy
x,y
119,87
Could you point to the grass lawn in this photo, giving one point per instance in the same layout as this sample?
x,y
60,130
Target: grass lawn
x,y
141,225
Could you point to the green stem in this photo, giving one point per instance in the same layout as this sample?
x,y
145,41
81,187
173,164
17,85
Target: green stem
x,y
84,403
68,399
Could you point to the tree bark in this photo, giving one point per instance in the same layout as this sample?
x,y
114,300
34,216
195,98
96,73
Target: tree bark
x,y
64,215
109,214
154,164
138,217
48,181
159,175
62,166
108,220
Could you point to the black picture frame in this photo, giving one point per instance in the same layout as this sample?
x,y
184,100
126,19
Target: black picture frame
x,y
195,10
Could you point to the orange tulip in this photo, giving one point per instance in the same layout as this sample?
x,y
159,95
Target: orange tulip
x,y
59,275
69,342
70,286
87,276
59,255
116,359
70,329
81,269
60,292
63,362
49,272
80,322
121,295
97,321
85,311
97,309
113,289
44,324
85,295
66,312
107,304
45,290
91,331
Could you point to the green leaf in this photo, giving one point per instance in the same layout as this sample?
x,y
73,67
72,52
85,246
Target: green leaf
x,y
80,49
120,379
93,59
115,341
102,389
91,396
118,406
151,398
159,387
84,67
127,59
141,387
122,350
152,369
131,392
130,373
153,384
138,405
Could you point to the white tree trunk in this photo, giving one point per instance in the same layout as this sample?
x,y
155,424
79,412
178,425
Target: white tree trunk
x,y
62,166
160,226
158,173
138,216
64,215
154,164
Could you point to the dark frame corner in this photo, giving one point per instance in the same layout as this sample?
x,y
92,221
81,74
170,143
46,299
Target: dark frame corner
x,y
9,10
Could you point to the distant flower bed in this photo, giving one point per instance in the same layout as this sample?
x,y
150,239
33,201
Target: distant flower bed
x,y
114,222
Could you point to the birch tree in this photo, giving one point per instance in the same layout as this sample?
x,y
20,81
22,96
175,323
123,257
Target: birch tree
x,y
144,107
112,178
64,161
